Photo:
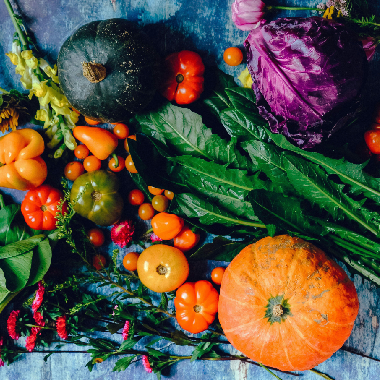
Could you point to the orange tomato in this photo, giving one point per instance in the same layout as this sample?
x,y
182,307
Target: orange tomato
x,y
130,261
162,268
126,146
146,211
121,131
92,163
160,203
90,121
166,226
169,194
73,170
233,56
136,197
129,164
196,304
217,275
186,239
112,164
81,151
155,190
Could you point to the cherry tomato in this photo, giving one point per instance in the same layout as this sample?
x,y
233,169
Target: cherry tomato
x,y
160,203
129,164
146,211
92,163
196,304
136,197
91,122
217,275
155,190
162,268
121,131
130,261
99,262
186,239
126,146
40,207
167,226
169,194
81,152
372,139
112,164
96,237
73,170
233,56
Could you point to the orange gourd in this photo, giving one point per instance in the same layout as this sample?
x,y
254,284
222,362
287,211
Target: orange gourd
x,y
285,304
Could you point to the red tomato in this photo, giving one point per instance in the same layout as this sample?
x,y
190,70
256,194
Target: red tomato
x,y
112,164
73,170
196,304
136,197
99,262
40,207
186,239
372,139
96,237
233,56
183,77
217,275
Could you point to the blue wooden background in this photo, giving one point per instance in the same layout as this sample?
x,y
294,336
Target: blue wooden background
x,y
204,26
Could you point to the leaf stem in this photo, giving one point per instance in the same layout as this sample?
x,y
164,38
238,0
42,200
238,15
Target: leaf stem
x,y
284,8
16,24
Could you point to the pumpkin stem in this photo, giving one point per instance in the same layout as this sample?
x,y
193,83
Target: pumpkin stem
x,y
94,72
278,310
162,270
197,308
43,208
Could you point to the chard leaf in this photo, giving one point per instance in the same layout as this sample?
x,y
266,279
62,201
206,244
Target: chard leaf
x,y
123,363
312,183
40,262
20,247
184,132
221,249
208,213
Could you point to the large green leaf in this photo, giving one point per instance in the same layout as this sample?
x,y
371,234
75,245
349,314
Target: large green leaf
x,y
40,263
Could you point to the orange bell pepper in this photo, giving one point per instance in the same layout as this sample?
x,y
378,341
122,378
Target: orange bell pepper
x,y
100,142
21,166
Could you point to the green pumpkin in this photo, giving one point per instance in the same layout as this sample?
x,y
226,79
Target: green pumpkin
x,y
95,196
108,70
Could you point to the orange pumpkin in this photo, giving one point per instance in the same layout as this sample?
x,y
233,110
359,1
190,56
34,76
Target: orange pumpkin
x,y
285,304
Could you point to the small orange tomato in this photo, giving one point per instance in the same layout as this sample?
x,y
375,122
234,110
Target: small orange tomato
x,y
81,151
166,226
186,239
121,131
136,197
162,268
146,211
160,203
99,262
92,163
90,121
73,170
129,164
112,164
233,56
196,304
155,190
126,146
169,194
130,261
96,237
217,275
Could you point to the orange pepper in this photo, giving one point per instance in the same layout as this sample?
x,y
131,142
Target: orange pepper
x,y
166,226
21,166
99,141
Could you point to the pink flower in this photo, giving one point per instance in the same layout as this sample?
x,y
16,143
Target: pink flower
x,y
247,13
11,324
39,297
126,330
146,364
122,232
61,327
154,238
31,339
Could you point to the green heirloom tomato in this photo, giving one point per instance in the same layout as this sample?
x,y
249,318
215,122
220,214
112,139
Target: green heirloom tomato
x,y
95,196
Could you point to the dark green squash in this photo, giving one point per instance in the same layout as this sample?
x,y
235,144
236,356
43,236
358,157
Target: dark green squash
x,y
108,70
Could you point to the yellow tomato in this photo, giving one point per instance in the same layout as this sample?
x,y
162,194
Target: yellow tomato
x,y
162,268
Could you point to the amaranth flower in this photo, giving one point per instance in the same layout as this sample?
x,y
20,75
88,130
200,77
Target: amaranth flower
x,y
146,364
61,327
39,297
122,232
126,330
11,324
31,339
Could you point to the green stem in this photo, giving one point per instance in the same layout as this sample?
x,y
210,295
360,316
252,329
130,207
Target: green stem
x,y
20,33
267,369
114,156
283,8
321,374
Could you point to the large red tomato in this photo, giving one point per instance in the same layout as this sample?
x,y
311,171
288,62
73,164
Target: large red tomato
x,y
196,304
40,207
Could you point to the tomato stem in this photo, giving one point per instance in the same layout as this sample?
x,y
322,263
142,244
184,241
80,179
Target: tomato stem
x,y
114,156
179,78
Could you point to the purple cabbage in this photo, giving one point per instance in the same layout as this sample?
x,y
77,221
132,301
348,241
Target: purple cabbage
x,y
307,76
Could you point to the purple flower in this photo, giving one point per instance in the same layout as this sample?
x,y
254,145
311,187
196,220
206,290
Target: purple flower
x,y
247,13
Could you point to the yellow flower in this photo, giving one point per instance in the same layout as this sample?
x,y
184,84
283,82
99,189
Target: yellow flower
x,y
50,72
245,78
12,109
13,57
27,54
32,62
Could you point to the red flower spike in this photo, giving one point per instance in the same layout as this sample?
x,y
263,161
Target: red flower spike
x,y
11,324
61,327
122,232
39,297
146,364
31,339
126,330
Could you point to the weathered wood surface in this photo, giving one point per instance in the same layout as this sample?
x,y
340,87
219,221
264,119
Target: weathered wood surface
x,y
206,27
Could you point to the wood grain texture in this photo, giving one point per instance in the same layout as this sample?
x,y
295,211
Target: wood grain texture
x,y
204,26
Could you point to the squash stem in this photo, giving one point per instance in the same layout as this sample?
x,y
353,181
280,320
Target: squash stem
x,y
16,24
